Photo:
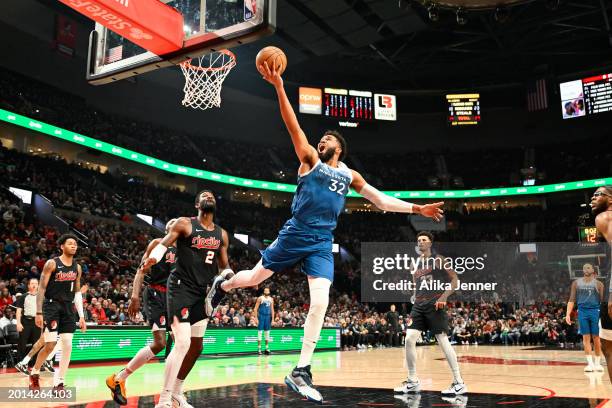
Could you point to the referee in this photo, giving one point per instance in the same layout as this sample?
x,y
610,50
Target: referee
x,y
26,312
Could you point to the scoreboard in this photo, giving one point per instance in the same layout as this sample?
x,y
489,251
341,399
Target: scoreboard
x,y
463,109
348,104
585,97
587,235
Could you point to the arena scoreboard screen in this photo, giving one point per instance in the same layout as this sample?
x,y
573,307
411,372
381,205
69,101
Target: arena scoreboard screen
x,y
463,109
587,235
585,97
347,104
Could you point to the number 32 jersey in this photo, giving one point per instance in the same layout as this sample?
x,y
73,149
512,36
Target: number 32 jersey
x,y
197,258
320,195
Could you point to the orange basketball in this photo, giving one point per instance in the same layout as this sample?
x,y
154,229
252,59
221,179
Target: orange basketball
x,y
275,57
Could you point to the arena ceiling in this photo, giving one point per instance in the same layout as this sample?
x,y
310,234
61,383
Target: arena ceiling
x,y
395,43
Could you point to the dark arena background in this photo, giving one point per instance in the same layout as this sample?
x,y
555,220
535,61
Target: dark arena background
x,y
116,114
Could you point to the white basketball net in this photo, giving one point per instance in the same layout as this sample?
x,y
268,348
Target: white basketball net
x,y
204,77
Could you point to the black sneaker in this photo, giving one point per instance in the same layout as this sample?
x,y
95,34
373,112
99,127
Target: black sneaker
x,y
47,366
215,295
300,381
267,352
22,368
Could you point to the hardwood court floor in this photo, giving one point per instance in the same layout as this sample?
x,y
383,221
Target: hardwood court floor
x,y
494,374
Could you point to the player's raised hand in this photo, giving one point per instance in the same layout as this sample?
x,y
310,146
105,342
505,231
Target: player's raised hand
x,y
271,75
433,210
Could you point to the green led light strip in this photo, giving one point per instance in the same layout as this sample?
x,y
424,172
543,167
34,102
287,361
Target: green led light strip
x,y
96,144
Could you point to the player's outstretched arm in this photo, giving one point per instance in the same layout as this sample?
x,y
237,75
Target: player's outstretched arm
x,y
182,227
134,305
305,152
392,204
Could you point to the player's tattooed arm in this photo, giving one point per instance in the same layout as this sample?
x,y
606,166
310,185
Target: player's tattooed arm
x,y
305,152
42,288
181,228
388,203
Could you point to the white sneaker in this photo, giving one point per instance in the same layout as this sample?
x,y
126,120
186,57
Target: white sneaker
x,y
598,368
300,381
164,404
589,369
455,388
408,387
181,401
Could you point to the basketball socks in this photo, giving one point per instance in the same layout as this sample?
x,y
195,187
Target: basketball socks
x,y
451,356
590,359
26,360
319,298
34,371
143,355
597,360
178,386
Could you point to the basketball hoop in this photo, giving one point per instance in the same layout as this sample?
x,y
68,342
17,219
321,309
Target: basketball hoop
x,y
204,77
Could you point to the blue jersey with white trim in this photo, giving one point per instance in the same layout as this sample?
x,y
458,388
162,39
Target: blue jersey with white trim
x,y
320,195
265,307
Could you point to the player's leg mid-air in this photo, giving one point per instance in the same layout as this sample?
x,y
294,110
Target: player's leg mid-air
x,y
323,183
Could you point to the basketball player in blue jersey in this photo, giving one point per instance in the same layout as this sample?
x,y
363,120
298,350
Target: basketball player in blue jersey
x,y
264,310
588,293
601,206
323,182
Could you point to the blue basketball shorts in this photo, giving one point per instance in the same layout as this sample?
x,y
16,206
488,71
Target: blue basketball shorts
x,y
297,243
264,323
588,321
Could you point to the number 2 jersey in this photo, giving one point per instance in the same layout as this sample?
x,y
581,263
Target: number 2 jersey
x,y
320,195
197,258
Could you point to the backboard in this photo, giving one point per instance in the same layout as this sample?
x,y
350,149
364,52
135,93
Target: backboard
x,y
209,25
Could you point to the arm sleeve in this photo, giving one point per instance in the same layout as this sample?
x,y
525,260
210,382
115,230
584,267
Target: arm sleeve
x,y
385,202
78,302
